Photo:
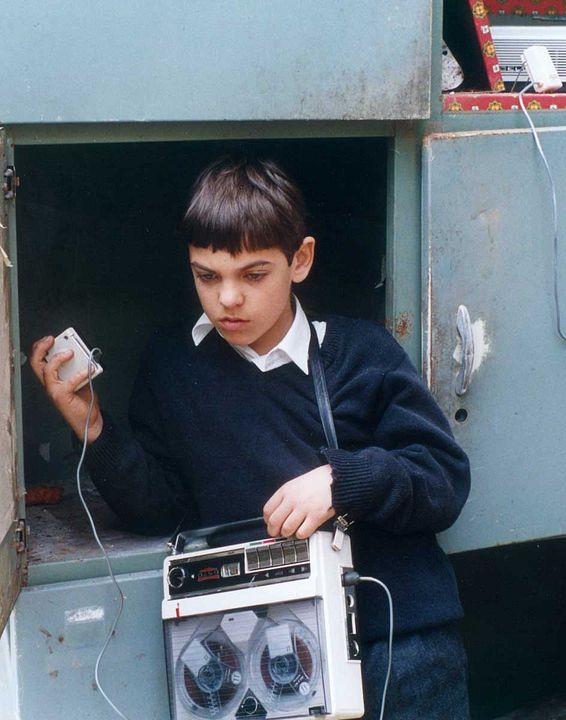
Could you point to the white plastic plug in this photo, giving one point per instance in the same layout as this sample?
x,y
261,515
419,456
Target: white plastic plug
x,y
541,70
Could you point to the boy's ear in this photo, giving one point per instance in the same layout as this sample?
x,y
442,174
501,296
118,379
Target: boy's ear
x,y
303,260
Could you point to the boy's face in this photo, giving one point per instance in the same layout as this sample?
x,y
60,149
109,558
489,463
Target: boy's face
x,y
248,296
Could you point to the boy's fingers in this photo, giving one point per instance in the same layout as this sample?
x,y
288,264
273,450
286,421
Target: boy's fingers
x,y
37,355
312,523
77,378
292,523
273,502
307,528
51,369
276,519
41,347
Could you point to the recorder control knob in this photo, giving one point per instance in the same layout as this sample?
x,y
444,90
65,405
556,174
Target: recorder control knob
x,y
250,706
176,577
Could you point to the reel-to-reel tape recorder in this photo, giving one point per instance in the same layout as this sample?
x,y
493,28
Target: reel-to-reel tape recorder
x,y
262,629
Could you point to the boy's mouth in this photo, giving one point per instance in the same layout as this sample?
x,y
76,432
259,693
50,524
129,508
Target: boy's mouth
x,y
232,323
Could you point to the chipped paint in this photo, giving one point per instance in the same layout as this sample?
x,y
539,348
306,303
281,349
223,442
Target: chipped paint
x,y
481,343
85,614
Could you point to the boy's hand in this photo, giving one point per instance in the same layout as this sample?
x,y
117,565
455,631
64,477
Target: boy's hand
x,y
72,405
301,505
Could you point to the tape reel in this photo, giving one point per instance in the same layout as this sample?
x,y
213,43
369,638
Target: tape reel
x,y
284,664
211,675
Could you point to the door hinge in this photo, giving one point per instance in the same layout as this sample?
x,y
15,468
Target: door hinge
x,y
21,536
10,183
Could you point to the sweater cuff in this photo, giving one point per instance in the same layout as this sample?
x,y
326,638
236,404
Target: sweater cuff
x,y
360,482
352,486
104,451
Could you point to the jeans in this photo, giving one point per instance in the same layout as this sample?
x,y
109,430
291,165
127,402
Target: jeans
x,y
428,677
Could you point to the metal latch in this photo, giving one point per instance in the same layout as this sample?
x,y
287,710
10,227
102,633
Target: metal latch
x,y
341,527
21,536
10,183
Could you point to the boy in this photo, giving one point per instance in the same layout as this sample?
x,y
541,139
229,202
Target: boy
x,y
225,426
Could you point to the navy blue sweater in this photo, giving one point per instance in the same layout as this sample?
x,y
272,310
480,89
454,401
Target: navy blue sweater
x,y
214,437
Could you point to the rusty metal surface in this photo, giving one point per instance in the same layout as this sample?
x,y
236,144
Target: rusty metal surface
x,y
487,244
61,532
228,60
403,325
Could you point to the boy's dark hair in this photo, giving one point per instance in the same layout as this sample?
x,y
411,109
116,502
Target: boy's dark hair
x,y
240,204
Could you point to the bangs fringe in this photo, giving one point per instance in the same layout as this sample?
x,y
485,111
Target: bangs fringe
x,y
245,206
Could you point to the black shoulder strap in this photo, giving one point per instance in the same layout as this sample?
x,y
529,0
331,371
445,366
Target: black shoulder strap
x,y
321,390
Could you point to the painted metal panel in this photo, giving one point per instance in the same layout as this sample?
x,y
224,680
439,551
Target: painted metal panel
x,y
56,633
10,558
488,237
403,228
103,61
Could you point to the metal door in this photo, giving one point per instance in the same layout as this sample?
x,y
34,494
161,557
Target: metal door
x,y
12,537
488,246
196,60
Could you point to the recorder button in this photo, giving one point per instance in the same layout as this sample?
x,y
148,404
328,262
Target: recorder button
x,y
289,552
230,570
264,557
302,551
277,555
252,558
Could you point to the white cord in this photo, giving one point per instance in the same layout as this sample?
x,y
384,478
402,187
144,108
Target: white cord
x,y
554,212
390,644
100,545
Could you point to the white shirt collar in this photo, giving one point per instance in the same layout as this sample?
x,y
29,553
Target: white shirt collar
x,y
294,347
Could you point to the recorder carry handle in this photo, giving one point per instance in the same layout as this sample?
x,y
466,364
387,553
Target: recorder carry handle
x,y
178,541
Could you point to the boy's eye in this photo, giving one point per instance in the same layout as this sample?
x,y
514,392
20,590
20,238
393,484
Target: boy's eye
x,y
206,277
255,276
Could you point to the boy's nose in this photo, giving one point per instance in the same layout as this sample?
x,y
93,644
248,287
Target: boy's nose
x,y
230,296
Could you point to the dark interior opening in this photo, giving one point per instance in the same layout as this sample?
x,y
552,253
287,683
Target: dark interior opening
x,y
97,250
